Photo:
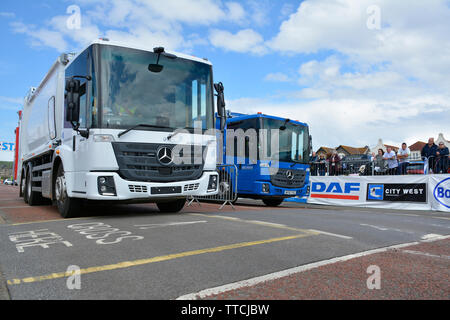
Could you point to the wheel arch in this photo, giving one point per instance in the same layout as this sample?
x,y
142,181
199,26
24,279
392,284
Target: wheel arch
x,y
57,162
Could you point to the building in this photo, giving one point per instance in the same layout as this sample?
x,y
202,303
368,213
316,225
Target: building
x,y
442,139
416,150
346,151
384,147
343,151
324,151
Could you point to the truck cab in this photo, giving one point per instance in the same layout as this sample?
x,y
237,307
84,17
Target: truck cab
x,y
119,123
271,155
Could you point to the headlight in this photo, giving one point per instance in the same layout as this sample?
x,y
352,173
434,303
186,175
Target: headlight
x,y
265,188
212,185
106,186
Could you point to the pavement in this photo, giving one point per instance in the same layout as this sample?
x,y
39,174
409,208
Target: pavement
x,y
292,252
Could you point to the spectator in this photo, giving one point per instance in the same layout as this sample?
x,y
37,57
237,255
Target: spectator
x,y
334,164
322,165
429,153
442,158
379,163
391,160
313,162
403,158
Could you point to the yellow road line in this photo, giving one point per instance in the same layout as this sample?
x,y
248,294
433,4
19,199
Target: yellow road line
x,y
128,264
261,223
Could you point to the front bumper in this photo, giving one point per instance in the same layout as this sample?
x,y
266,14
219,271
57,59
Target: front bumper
x,y
278,191
138,190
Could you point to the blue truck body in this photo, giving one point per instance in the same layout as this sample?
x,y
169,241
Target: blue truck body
x,y
264,178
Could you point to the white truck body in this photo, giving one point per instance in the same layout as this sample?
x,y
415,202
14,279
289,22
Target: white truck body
x,y
46,140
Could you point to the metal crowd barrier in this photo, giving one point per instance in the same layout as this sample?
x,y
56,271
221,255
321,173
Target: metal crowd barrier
x,y
431,165
228,178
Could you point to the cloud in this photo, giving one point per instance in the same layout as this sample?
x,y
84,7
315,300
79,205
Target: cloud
x,y
413,42
358,122
244,41
136,21
40,37
277,77
10,103
7,14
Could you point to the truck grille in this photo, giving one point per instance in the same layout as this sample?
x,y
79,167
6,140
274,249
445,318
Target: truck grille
x,y
286,178
138,162
191,187
137,189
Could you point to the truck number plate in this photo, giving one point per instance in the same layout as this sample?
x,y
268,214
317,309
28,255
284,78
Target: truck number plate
x,y
290,193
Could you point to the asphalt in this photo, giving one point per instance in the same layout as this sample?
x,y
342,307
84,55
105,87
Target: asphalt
x,y
139,253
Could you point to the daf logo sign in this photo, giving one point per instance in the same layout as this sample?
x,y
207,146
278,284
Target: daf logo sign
x,y
164,156
290,175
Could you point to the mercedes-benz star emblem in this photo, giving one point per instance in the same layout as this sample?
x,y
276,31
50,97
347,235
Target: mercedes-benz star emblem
x,y
290,175
164,156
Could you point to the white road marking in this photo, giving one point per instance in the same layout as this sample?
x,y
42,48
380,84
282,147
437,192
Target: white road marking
x,y
162,225
385,229
431,236
425,254
375,227
288,272
331,234
270,224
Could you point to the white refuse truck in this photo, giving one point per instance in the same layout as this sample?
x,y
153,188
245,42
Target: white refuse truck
x,y
120,123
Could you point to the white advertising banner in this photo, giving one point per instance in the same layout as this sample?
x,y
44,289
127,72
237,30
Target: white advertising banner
x,y
7,151
390,192
439,192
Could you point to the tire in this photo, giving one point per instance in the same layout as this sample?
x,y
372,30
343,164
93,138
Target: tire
x,y
274,202
33,198
67,207
23,186
172,206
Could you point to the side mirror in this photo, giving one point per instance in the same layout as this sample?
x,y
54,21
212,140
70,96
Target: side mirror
x,y
310,145
220,104
73,101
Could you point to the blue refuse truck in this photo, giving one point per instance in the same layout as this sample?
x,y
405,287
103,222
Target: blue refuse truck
x,y
266,170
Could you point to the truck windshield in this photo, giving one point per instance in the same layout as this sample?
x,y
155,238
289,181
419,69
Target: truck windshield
x,y
293,141
178,97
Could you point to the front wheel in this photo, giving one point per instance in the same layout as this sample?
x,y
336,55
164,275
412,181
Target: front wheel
x,y
67,207
273,202
172,206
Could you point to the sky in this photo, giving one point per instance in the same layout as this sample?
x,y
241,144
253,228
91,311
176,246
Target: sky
x,y
355,71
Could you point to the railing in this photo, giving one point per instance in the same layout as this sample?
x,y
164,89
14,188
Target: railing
x,y
431,165
228,178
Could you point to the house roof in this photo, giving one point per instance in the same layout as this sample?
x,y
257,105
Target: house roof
x,y
418,146
352,150
393,147
326,150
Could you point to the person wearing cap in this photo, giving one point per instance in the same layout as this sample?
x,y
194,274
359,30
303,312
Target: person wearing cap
x,y
442,159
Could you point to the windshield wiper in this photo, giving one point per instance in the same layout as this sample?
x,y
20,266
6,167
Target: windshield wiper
x,y
177,132
143,126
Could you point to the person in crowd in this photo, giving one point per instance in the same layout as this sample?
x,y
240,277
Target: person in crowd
x,y
334,163
322,165
379,163
313,162
391,159
429,153
403,158
442,158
